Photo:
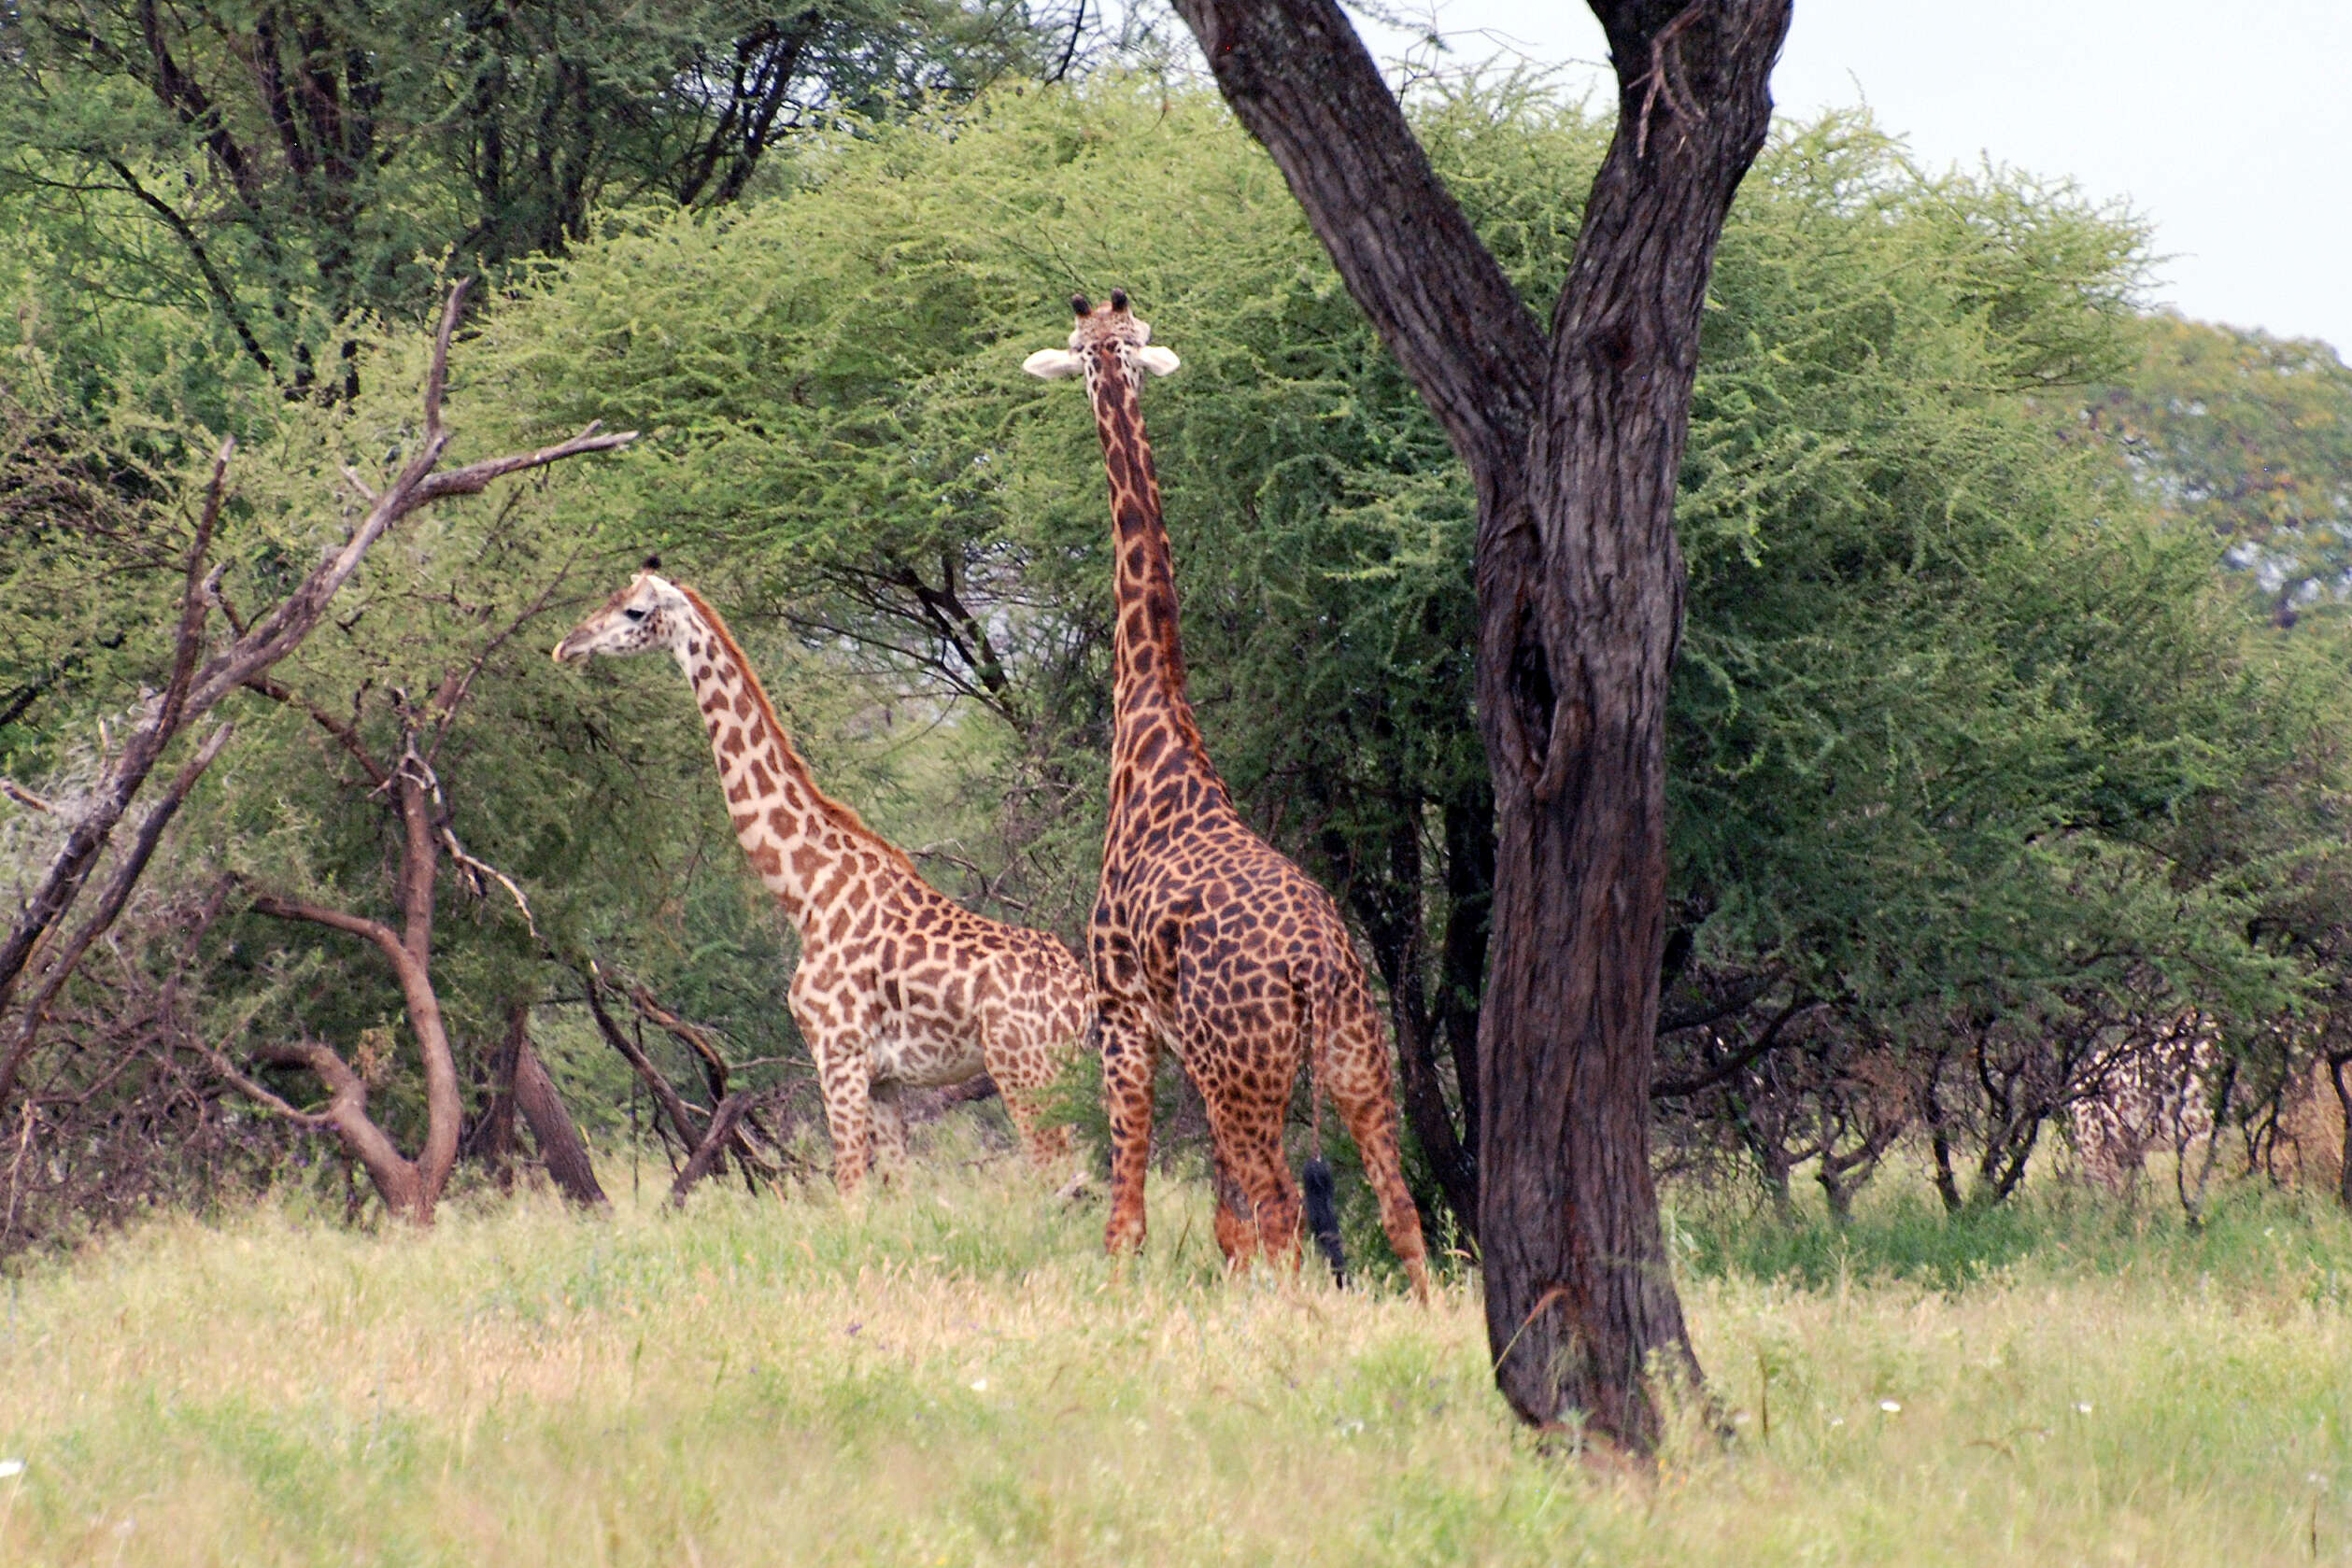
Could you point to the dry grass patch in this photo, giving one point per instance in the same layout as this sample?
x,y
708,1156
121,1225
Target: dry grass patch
x,y
952,1376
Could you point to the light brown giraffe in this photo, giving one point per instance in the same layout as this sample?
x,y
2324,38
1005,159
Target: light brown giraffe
x,y
898,983
1204,935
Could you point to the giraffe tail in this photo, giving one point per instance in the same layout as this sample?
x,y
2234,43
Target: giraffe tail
x,y
1322,1199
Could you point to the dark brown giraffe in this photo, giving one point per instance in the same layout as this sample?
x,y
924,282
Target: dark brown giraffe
x,y
1204,935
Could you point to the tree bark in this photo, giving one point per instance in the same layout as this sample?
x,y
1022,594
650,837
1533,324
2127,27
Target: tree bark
x,y
443,1109
560,1148
1573,445
492,1138
711,1153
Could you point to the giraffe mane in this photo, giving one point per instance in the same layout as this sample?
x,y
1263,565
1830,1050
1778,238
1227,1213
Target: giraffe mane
x,y
838,813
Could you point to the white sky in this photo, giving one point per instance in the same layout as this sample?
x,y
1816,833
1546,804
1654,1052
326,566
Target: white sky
x,y
2228,126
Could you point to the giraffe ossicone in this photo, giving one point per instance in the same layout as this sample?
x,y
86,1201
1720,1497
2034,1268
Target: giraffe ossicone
x,y
898,984
1204,935
1059,364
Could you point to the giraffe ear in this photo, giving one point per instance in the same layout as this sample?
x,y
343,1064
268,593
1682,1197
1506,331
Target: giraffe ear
x,y
1159,362
1052,364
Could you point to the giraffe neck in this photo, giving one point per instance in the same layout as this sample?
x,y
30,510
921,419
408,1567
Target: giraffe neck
x,y
813,851
1147,653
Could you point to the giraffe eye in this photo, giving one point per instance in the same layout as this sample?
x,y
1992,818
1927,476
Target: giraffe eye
x,y
634,614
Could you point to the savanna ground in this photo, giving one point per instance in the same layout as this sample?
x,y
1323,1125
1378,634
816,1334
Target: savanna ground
x,y
951,1376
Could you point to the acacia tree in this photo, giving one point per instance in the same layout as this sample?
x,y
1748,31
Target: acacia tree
x,y
1573,443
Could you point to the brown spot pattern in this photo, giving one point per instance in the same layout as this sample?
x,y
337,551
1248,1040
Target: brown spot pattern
x,y
1204,935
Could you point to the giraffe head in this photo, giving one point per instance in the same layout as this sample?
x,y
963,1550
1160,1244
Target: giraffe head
x,y
1112,326
651,612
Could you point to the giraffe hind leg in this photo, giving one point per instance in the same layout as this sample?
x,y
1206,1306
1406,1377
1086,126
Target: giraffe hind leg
x,y
1024,1078
888,1114
841,1069
1254,1179
1355,1065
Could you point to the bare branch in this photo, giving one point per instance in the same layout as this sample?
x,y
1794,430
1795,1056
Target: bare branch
x,y
194,691
262,1095
56,970
471,479
346,734
708,1153
23,796
480,868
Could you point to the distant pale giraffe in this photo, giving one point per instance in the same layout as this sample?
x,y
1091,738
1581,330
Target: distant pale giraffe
x,y
1204,935
898,983
2150,1096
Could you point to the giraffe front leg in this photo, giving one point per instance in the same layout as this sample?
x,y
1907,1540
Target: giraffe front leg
x,y
1130,1060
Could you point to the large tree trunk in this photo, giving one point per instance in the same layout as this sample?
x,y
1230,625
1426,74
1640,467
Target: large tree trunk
x,y
1573,443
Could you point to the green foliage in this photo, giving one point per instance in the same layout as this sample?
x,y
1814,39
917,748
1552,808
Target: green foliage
x,y
274,175
2250,437
1945,689
1948,691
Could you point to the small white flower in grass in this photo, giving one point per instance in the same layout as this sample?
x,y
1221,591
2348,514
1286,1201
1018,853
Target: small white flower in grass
x,y
1891,1406
11,1469
980,1385
2082,1408
1837,1420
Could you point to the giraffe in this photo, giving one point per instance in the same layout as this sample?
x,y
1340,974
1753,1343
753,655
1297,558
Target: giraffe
x,y
898,984
2149,1096
1204,937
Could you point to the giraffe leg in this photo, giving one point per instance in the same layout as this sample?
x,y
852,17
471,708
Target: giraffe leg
x,y
1254,1179
1048,1148
1023,1076
842,1073
1236,1235
889,1118
1130,1058
1355,1064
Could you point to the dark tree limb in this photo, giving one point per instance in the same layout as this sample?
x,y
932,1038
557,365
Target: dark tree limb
x,y
711,1150
665,1095
124,778
60,967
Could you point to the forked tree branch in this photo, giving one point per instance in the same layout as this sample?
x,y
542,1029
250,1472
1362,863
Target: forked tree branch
x,y
193,689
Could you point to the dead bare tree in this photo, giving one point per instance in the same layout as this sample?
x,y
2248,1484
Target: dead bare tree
x,y
194,689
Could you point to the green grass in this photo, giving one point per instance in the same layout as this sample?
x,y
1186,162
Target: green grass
x,y
951,1376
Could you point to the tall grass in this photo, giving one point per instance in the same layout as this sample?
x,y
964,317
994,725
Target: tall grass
x,y
952,1375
